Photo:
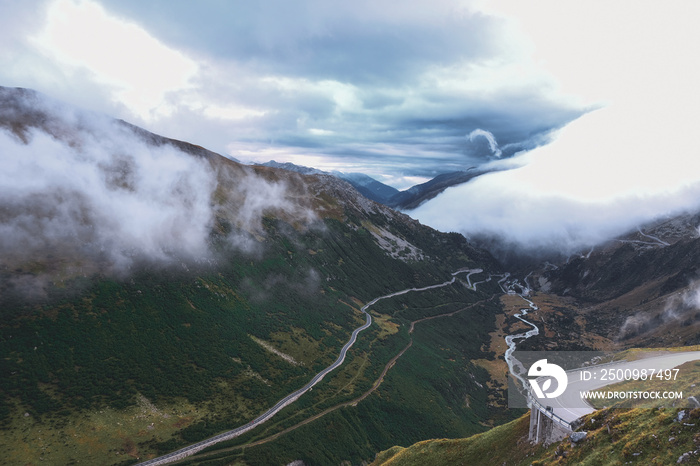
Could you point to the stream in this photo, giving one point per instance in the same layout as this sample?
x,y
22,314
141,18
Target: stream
x,y
514,366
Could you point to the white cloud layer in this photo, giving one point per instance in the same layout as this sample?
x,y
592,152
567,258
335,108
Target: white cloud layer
x,y
81,193
121,198
626,163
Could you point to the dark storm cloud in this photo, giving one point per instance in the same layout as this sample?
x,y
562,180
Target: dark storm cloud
x,y
441,137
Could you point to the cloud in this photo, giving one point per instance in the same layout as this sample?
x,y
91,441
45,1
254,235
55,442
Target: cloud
x,y
248,197
102,192
81,193
682,308
570,194
366,41
121,55
493,144
627,162
356,83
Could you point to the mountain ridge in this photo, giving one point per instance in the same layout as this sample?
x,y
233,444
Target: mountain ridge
x,y
407,199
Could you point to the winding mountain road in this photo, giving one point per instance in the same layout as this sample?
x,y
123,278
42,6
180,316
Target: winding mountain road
x,y
199,446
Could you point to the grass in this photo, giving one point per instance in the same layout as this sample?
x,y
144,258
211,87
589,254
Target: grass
x,y
105,436
484,448
111,436
386,326
615,437
685,381
634,354
299,345
431,389
183,339
641,435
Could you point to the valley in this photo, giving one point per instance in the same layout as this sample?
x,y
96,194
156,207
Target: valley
x,y
116,352
210,312
325,400
602,300
192,449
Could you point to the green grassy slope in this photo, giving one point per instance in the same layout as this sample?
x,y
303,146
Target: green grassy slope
x,y
433,388
183,338
615,437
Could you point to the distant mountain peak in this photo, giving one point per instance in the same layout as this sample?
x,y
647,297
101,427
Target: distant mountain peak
x,y
289,166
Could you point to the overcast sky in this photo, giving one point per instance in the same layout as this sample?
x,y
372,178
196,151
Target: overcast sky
x,y
393,89
403,90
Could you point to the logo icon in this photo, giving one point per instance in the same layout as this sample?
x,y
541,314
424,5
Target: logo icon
x,y
541,369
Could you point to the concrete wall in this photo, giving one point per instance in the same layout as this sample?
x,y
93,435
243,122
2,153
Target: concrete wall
x,y
544,430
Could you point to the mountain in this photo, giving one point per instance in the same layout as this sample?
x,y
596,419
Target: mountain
x,y
369,187
639,290
154,293
294,168
387,195
364,184
416,195
642,436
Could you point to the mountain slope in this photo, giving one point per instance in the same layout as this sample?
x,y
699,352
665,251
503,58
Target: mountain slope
x,y
365,185
155,293
614,437
639,289
387,195
369,187
416,195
